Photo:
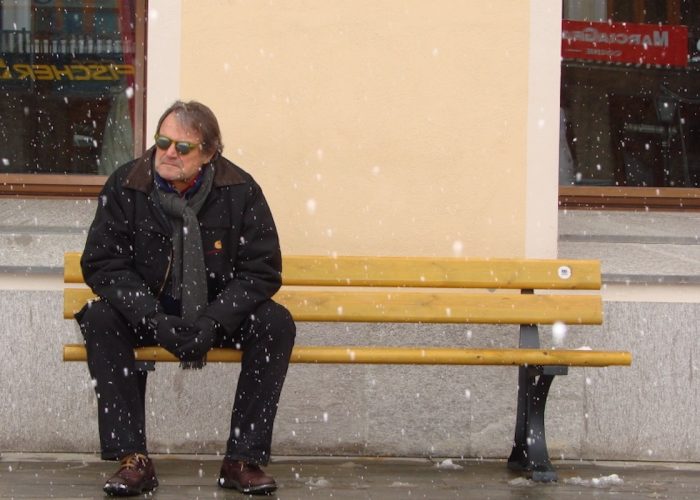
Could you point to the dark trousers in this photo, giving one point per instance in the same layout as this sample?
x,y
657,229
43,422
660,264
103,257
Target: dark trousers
x,y
266,339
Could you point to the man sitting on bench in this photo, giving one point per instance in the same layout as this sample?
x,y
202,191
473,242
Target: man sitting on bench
x,y
183,253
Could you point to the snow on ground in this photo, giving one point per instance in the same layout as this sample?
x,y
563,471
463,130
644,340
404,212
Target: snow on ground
x,y
596,482
448,464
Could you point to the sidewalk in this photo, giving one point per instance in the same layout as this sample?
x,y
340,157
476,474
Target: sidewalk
x,y
64,476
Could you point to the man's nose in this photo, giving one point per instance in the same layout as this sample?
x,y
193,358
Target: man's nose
x,y
171,150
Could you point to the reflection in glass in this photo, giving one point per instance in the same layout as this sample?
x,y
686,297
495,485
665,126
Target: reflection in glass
x,y
630,93
66,85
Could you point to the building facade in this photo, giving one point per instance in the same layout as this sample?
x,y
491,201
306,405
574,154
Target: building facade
x,y
375,128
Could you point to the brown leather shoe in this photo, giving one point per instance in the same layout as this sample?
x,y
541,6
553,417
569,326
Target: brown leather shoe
x,y
246,478
136,475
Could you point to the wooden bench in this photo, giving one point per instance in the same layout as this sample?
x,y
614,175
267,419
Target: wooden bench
x,y
433,290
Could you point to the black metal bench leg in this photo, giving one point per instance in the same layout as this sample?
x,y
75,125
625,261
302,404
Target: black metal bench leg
x,y
145,366
529,452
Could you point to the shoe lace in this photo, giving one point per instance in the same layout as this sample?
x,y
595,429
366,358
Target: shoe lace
x,y
134,461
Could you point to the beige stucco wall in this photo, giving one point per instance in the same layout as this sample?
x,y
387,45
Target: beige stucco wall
x,y
375,127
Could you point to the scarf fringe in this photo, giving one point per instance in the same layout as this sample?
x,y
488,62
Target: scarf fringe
x,y
197,364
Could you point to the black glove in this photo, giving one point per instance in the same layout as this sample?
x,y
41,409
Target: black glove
x,y
171,332
196,348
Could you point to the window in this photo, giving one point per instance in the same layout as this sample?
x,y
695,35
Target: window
x,y
630,103
71,82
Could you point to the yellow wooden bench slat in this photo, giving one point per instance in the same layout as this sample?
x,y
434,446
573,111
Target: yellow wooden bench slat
x,y
401,306
71,268
422,272
440,272
401,355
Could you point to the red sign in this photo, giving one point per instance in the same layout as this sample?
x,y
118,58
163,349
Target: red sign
x,y
625,43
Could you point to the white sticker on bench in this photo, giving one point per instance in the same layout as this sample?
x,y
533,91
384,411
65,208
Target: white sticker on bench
x,y
564,272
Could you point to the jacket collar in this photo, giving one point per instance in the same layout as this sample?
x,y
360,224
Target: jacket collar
x,y
140,176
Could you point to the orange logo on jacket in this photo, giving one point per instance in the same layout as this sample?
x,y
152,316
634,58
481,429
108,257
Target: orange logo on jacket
x,y
218,246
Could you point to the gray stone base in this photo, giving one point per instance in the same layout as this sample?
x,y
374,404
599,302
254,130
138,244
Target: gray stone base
x,y
646,412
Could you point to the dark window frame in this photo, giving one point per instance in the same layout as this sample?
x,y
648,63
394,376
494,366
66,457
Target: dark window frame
x,y
629,198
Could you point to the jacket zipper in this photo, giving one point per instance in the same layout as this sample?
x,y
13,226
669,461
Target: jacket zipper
x,y
167,274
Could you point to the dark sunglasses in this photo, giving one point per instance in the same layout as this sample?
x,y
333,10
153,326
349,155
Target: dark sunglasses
x,y
182,147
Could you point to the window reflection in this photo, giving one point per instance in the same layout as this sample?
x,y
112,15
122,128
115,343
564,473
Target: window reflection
x,y
67,85
630,93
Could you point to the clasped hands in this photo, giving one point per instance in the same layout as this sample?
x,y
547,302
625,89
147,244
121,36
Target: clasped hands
x,y
188,341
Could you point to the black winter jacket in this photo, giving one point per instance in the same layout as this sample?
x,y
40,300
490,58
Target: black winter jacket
x,y
128,252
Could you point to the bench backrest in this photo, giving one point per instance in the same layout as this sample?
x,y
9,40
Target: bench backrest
x,y
421,289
